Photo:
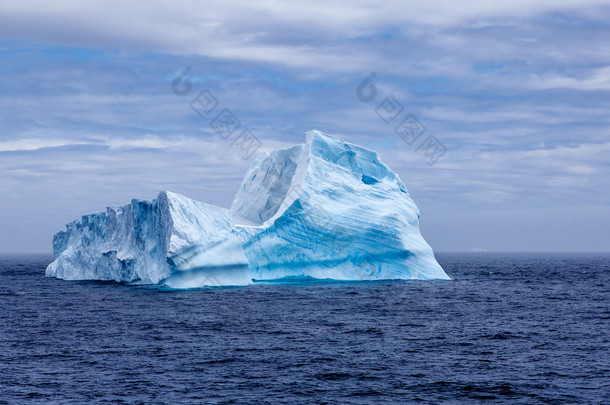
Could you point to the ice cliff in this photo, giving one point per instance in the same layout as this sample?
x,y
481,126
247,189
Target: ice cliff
x,y
323,209
171,240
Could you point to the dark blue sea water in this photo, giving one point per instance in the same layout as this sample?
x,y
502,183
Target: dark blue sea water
x,y
509,328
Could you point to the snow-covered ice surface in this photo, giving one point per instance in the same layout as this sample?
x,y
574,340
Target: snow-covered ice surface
x,y
324,209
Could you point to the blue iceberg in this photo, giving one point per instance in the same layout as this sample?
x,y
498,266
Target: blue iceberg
x,y
325,209
171,240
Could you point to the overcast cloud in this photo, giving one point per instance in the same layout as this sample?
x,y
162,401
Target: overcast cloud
x,y
518,92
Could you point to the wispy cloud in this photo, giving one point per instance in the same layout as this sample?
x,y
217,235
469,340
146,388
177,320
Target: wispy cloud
x,y
597,79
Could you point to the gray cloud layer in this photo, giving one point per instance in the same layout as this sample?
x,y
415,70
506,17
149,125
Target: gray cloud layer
x,y
517,92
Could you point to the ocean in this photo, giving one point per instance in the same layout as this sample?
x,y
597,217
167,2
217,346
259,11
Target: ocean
x,y
509,328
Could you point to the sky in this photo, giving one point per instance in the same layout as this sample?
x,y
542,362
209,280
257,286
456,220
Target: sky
x,y
93,111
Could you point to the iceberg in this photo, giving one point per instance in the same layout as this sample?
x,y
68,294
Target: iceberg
x,y
330,209
324,209
170,240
